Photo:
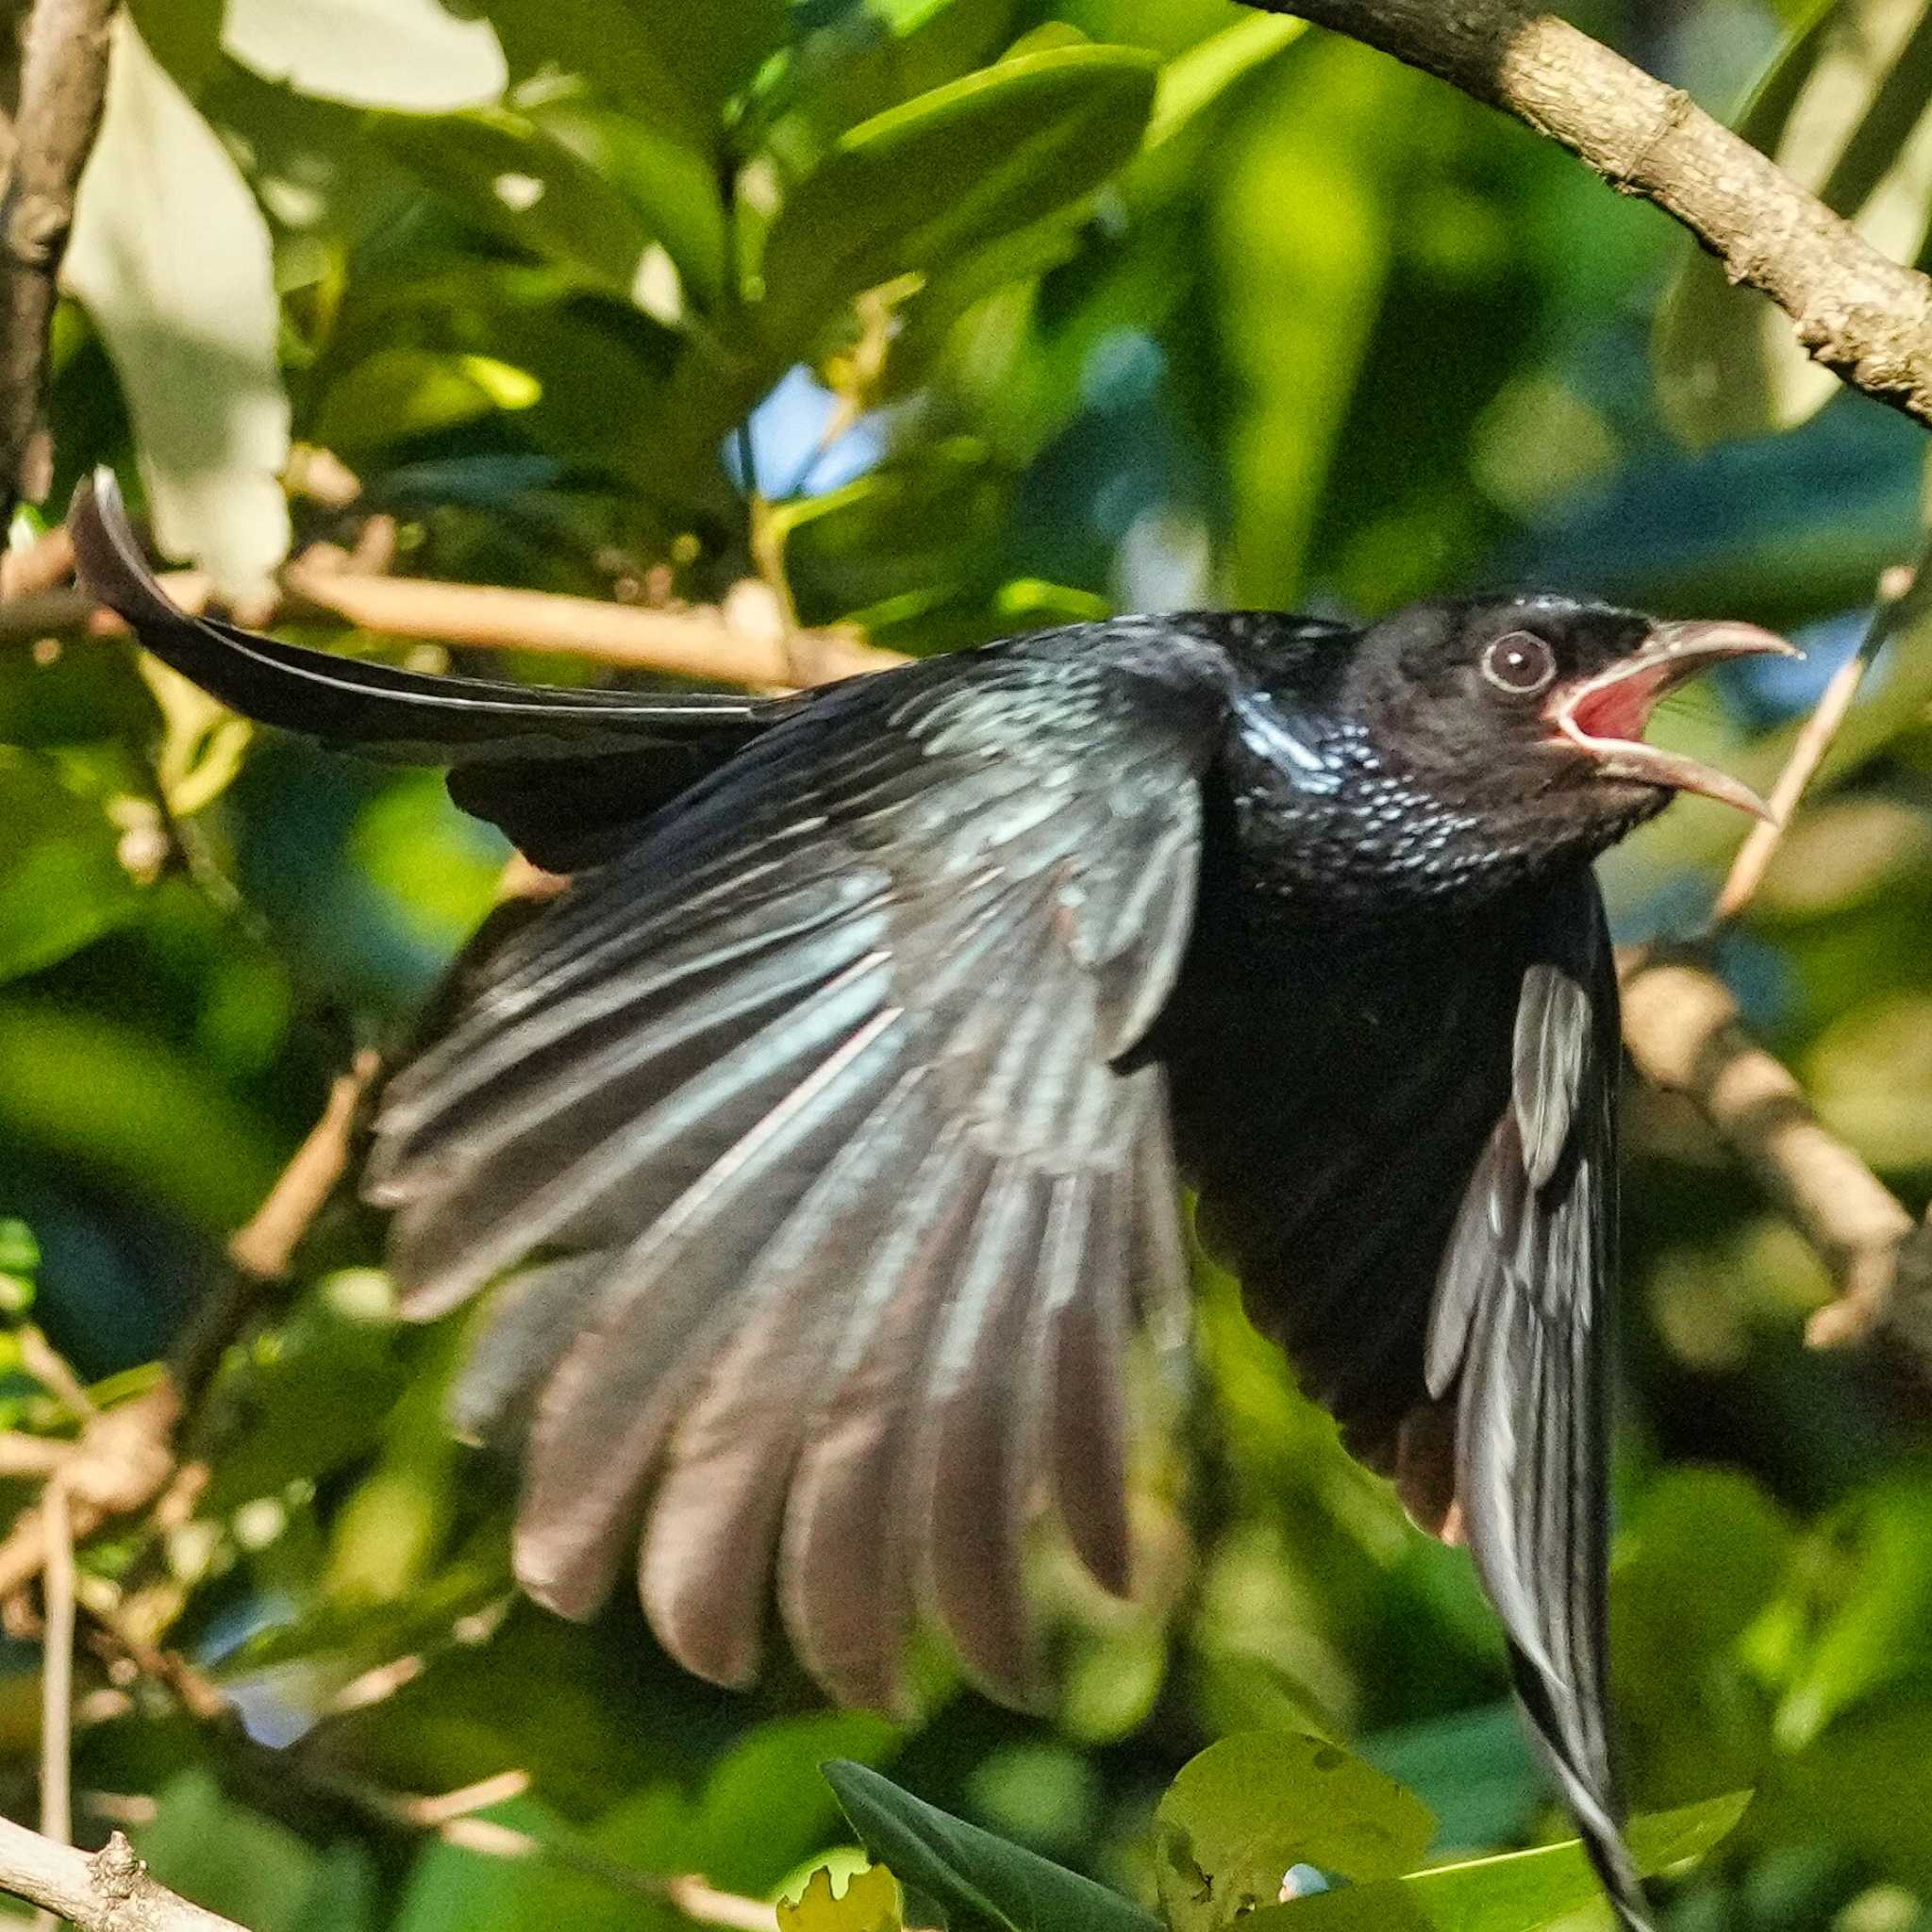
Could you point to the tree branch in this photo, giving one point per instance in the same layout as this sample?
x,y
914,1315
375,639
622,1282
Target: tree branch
x,y
1681,1026
63,79
701,643
1855,310
109,1890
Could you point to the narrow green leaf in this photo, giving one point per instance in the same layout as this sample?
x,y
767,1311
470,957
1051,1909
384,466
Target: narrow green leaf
x,y
1196,79
1303,237
122,1105
1518,1891
402,392
174,262
983,1883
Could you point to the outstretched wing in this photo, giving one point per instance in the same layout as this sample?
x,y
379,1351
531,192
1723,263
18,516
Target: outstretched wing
x,y
1520,1336
808,1104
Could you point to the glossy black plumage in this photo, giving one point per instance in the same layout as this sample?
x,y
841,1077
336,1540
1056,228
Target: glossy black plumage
x,y
840,1105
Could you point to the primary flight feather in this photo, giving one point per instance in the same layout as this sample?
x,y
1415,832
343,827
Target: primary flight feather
x,y
835,1116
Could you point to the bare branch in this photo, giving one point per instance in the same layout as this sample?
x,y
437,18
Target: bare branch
x,y
1855,310
689,642
702,643
109,1890
63,79
1681,1026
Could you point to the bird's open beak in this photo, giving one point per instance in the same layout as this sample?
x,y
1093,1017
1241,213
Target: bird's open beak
x,y
1604,716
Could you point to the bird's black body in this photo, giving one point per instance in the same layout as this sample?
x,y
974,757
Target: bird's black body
x,y
834,1114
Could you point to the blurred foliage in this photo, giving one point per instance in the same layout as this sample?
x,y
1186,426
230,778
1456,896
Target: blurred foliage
x,y
1007,312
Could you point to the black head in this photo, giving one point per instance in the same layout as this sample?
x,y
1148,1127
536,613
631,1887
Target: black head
x,y
1535,708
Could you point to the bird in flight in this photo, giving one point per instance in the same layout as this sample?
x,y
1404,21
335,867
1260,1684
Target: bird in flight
x,y
827,1131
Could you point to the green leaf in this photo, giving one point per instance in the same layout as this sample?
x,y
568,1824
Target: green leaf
x,y
1843,111
917,185
983,1884
20,1253
121,1103
174,262
672,187
62,884
681,63
1248,1807
1520,1891
313,1398
1879,1629
226,1858
412,53
870,1903
922,523
515,181
401,392
1306,240
1195,80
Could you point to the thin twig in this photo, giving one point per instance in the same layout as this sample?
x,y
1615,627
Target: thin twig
x,y
109,1890
1761,842
265,1246
56,1680
1903,595
64,79
54,1373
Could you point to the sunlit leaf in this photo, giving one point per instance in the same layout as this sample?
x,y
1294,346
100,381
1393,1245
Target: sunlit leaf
x,y
1196,79
870,1903
1304,242
173,260
1250,1806
1520,1891
412,53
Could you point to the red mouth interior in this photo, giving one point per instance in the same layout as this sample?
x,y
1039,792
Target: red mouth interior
x,y
1622,707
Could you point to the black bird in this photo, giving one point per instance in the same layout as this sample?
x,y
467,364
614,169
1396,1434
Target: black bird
x,y
836,1111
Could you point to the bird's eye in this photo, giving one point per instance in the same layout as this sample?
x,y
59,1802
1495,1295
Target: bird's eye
x,y
1519,664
